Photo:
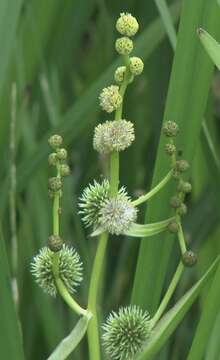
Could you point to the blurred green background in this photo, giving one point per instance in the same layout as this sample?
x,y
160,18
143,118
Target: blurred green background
x,y
60,55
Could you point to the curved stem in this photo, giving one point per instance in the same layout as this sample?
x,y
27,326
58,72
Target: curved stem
x,y
168,294
155,190
68,298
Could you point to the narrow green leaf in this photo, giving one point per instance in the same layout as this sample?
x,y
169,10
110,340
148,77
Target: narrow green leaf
x,y
173,317
69,343
211,46
207,321
167,20
10,339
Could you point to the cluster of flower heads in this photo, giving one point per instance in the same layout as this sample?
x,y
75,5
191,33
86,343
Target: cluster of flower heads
x,y
58,159
119,134
114,215
126,332
69,265
183,187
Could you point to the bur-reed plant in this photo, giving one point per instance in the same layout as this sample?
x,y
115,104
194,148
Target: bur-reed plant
x,y
108,210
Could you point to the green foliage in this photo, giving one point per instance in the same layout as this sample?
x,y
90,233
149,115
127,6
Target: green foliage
x,y
60,56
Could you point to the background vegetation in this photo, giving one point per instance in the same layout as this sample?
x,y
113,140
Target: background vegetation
x,y
60,55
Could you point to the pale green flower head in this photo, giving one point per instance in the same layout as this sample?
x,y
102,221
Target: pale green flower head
x,y
136,65
113,136
124,45
127,24
110,98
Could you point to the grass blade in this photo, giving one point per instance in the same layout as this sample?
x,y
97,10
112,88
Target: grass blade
x,y
167,19
170,321
211,46
209,314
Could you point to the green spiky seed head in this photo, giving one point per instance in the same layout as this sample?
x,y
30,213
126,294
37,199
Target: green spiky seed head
x,y
55,183
55,243
117,214
64,170
170,149
182,210
127,24
110,98
92,200
52,159
175,202
55,141
173,227
62,154
182,165
136,65
125,332
124,45
184,187
113,136
189,258
70,269
170,129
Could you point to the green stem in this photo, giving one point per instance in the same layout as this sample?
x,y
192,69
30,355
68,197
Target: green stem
x,y
168,294
93,332
114,173
151,193
181,237
68,298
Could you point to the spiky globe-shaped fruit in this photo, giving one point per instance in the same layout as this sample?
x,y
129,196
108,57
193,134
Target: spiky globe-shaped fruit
x,y
125,332
92,200
117,214
70,269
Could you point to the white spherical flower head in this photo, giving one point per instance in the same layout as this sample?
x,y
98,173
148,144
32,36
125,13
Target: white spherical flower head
x,y
127,24
125,332
113,136
70,269
118,214
124,45
91,201
136,65
110,98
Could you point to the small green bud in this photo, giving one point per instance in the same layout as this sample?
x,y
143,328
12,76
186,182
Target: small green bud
x,y
55,141
136,65
173,227
175,202
189,258
175,174
64,170
170,129
127,24
170,149
62,154
51,194
55,183
55,243
184,187
182,165
182,210
52,159
124,46
110,98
